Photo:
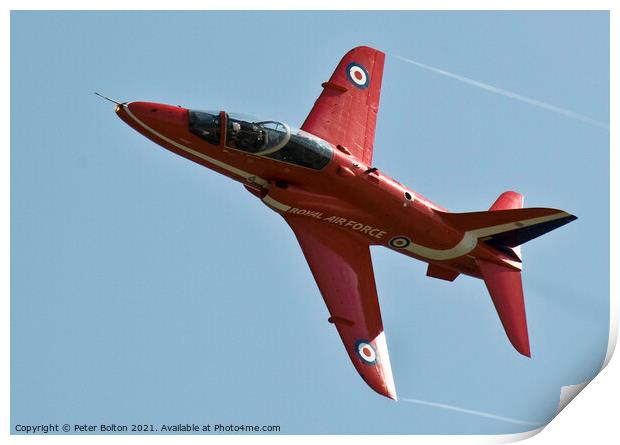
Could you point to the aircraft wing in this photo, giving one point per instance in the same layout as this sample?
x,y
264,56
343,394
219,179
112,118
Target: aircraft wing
x,y
342,268
345,113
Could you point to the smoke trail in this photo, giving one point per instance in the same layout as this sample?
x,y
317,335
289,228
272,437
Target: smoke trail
x,y
473,412
510,94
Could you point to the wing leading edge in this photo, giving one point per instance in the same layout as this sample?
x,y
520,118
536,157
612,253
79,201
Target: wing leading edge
x,y
342,267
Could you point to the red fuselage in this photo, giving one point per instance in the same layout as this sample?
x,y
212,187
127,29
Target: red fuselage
x,y
344,192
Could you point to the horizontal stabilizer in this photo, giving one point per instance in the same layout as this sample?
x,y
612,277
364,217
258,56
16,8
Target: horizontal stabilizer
x,y
506,291
511,227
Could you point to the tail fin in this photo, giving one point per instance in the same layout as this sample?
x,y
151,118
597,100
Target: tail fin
x,y
506,291
506,226
506,201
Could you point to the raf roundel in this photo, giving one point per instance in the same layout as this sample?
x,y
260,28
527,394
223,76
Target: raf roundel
x,y
366,352
399,242
358,75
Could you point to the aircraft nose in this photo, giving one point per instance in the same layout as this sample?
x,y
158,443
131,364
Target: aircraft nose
x,y
160,117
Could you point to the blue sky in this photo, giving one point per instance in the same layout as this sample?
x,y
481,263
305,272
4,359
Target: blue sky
x,y
147,289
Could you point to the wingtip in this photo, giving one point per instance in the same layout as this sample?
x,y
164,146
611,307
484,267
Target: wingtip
x,y
390,392
386,366
527,353
390,386
385,388
522,345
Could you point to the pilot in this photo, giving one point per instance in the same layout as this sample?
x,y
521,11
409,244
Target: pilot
x,y
249,136
212,127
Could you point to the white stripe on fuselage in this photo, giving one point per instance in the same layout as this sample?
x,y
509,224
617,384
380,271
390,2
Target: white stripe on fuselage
x,y
276,204
470,238
466,245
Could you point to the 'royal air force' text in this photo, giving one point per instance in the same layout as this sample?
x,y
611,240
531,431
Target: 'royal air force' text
x,y
340,221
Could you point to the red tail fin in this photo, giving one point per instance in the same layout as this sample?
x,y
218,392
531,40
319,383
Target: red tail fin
x,y
508,200
506,291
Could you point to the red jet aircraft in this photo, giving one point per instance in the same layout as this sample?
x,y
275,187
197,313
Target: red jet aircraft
x,y
321,180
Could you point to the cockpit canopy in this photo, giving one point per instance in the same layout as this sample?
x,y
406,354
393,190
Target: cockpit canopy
x,y
272,139
206,125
